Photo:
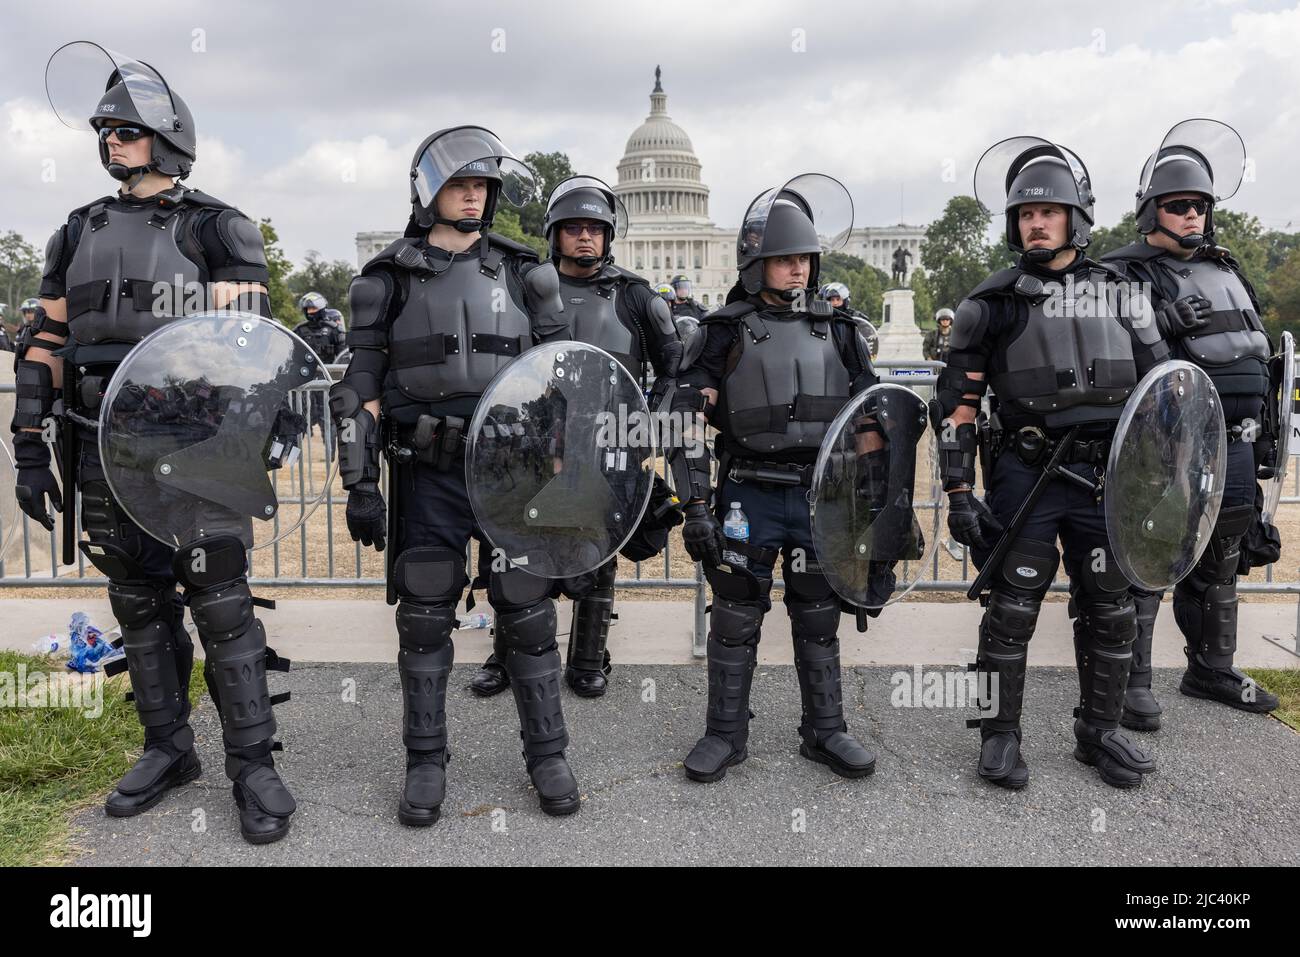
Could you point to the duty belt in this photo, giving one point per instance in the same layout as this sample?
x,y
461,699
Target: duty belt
x,y
1033,447
432,440
770,473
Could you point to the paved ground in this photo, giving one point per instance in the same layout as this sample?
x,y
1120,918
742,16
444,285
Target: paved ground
x,y
658,632
1224,792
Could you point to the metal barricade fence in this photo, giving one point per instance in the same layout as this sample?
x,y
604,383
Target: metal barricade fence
x,y
314,561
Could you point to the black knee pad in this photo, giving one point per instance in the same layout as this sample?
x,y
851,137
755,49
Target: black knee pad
x,y
210,562
1012,615
223,614
1111,623
135,605
515,590
530,631
430,573
424,628
734,623
1029,566
739,584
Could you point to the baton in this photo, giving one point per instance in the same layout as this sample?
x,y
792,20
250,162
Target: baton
x,y
1050,471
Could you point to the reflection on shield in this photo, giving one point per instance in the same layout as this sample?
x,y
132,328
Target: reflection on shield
x,y
203,426
877,500
559,461
1284,403
9,511
1164,478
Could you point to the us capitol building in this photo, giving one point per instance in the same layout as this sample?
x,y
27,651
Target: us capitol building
x,y
669,229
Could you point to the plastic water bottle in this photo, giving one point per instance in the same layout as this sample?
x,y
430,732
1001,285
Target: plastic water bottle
x,y
477,620
736,525
49,645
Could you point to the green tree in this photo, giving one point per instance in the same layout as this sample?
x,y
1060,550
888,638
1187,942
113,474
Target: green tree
x,y
279,266
330,279
551,170
956,253
1108,238
506,224
20,271
922,300
866,283
1284,313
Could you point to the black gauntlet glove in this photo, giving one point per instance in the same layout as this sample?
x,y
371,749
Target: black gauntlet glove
x,y
367,516
35,479
970,521
702,534
1183,317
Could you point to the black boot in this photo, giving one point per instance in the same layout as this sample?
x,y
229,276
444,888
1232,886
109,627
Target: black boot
x,y
1120,762
587,660
825,735
1141,709
490,679
159,658
424,666
1225,685
731,673
535,680
1003,661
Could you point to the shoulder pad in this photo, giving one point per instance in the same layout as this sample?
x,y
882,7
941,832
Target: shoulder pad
x,y
241,237
389,253
368,297
195,197
510,246
1138,250
662,316
693,348
80,211
54,252
1001,281
731,311
630,276
968,324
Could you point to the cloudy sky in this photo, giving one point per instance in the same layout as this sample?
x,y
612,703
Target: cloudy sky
x,y
309,113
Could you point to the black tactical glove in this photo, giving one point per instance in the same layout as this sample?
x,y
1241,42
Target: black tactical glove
x,y
286,438
971,522
702,534
367,516
1183,316
872,484
35,480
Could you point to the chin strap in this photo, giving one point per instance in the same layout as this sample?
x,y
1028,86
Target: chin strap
x,y
464,225
1190,241
130,175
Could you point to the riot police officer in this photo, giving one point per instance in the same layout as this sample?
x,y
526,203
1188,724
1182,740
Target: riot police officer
x,y
434,317
100,291
737,375
324,333
1208,313
938,340
840,297
615,310
1019,333
5,344
683,304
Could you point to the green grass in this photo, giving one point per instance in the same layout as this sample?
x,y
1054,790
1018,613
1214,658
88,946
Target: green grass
x,y
1285,683
56,760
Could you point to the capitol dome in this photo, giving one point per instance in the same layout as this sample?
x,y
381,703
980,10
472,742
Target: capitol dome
x,y
659,174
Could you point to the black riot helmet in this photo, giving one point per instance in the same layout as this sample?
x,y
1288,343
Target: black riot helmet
x,y
585,197
1199,156
465,152
1027,169
86,81
809,214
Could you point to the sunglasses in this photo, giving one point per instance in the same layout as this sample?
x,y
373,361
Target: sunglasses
x,y
125,134
577,229
1179,207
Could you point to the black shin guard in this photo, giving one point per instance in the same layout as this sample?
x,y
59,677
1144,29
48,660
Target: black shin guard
x,y
424,665
586,660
